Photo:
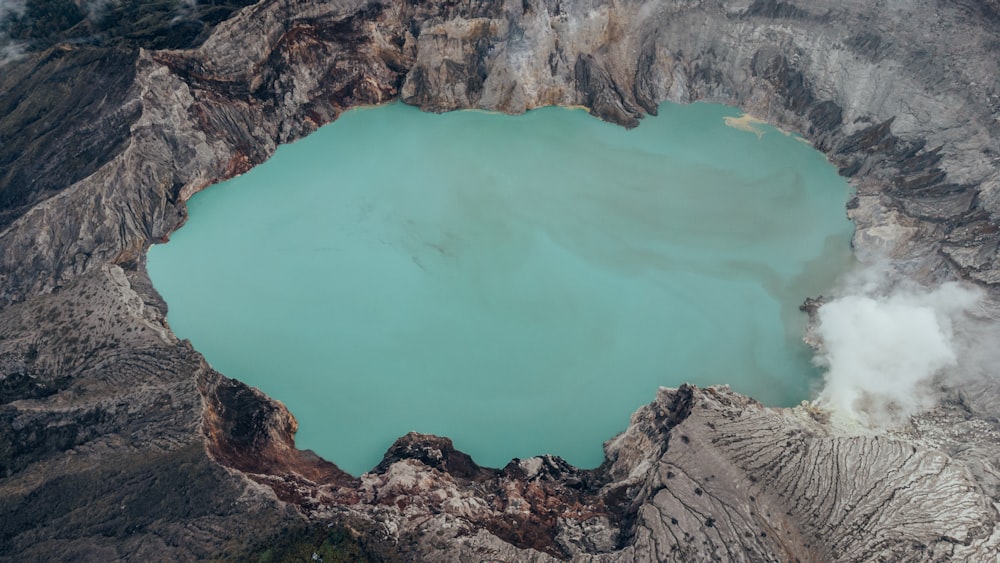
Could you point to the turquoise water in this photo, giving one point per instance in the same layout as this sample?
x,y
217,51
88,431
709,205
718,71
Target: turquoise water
x,y
519,284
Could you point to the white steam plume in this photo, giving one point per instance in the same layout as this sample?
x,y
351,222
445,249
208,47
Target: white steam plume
x,y
9,50
8,6
882,348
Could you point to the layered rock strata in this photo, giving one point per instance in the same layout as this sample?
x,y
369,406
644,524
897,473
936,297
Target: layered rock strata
x,y
119,441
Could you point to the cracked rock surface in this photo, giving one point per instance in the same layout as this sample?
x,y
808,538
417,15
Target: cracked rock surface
x,y
118,441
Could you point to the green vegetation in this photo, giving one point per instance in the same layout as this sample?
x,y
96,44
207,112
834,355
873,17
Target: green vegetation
x,y
43,20
151,24
317,542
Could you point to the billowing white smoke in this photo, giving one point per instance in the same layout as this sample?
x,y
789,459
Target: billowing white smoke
x,y
883,348
9,50
9,6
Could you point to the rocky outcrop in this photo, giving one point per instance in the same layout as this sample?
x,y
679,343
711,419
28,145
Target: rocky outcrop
x,y
118,441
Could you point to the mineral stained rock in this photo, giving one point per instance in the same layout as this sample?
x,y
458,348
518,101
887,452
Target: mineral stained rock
x,y
117,441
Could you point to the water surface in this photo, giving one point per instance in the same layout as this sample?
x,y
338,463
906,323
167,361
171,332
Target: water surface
x,y
519,284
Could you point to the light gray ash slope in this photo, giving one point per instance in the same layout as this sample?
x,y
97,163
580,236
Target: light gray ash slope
x,y
117,441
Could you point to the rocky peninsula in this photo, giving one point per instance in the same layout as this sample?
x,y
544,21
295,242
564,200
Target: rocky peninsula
x,y
118,441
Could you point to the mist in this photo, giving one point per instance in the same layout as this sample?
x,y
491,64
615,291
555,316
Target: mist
x,y
7,6
887,348
9,50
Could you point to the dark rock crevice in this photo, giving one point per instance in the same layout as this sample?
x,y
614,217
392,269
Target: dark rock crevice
x,y
602,95
248,431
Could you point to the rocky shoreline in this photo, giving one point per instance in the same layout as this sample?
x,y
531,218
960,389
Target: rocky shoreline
x,y
117,441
